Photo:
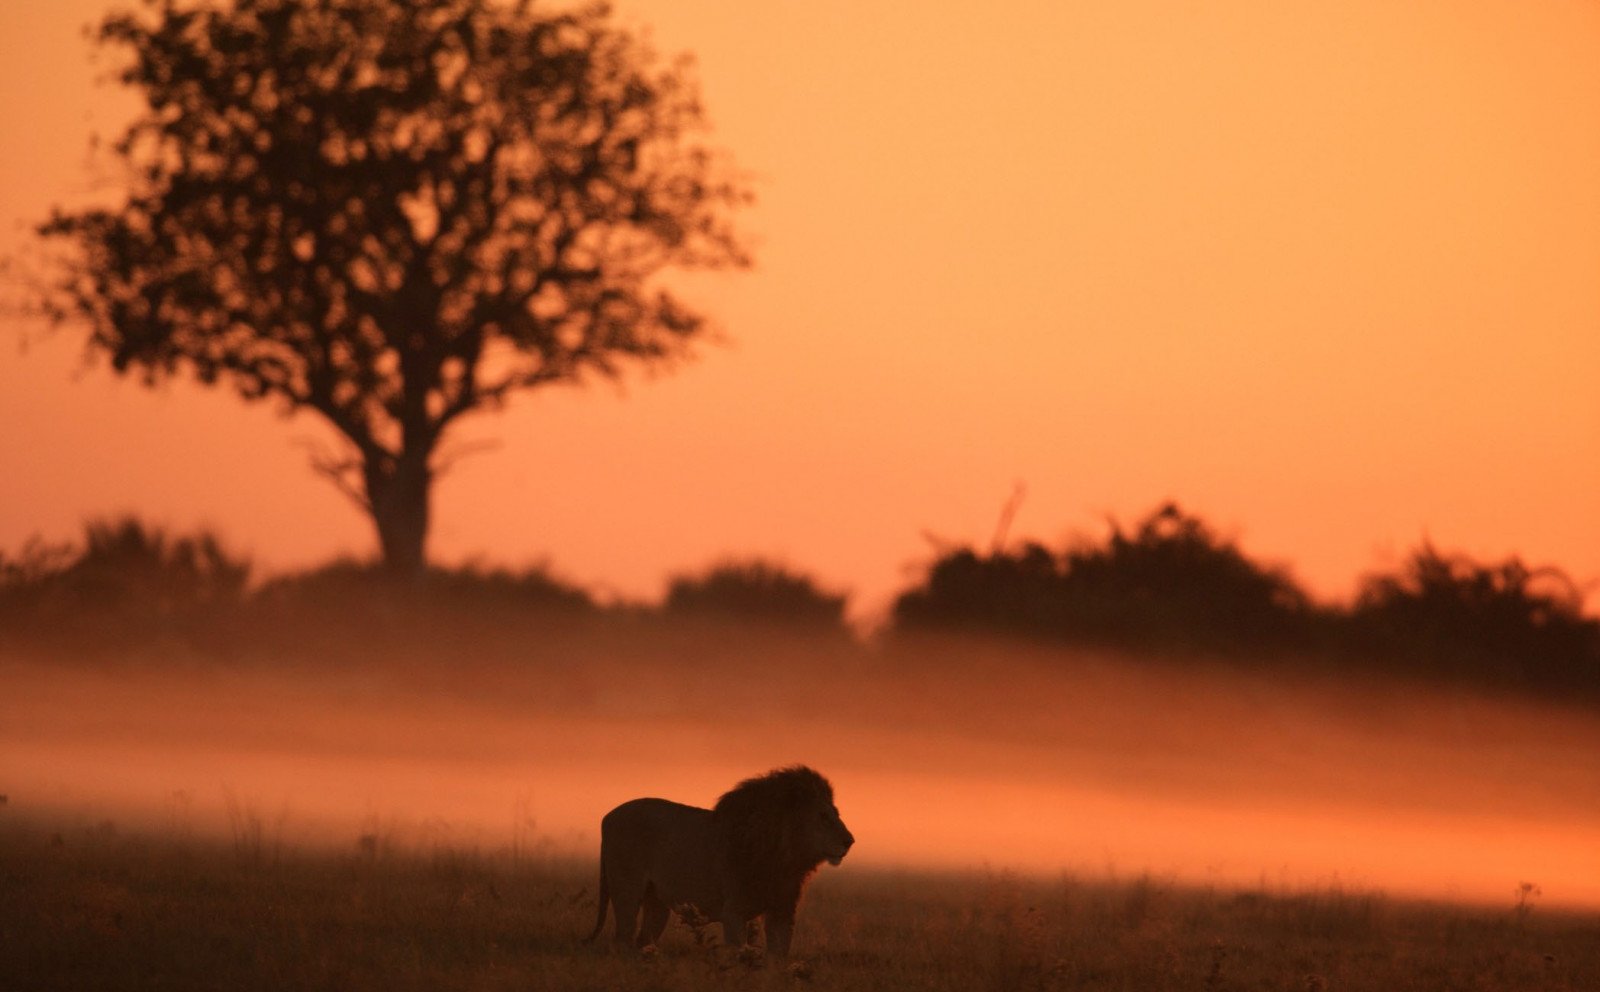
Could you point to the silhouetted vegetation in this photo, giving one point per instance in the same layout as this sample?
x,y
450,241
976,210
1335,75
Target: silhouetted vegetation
x,y
351,611
1168,587
1501,623
1169,583
394,213
756,591
339,586
126,578
127,586
1173,586
131,590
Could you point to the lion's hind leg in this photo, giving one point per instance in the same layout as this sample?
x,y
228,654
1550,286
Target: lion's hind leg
x,y
735,929
625,901
605,901
656,915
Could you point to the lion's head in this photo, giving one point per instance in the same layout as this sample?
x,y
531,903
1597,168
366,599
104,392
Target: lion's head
x,y
780,826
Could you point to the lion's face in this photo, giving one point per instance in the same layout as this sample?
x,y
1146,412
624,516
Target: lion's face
x,y
827,836
782,823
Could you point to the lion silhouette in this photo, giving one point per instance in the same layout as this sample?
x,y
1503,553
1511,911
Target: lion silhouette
x,y
747,857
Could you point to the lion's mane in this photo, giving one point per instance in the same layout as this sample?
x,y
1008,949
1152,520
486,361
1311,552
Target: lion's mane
x,y
759,820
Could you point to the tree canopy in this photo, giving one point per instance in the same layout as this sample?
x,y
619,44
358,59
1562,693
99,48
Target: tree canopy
x,y
394,213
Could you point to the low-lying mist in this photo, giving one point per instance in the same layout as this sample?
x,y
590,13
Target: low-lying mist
x,y
943,753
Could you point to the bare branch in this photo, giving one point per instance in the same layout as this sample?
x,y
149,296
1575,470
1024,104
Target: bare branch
x,y
445,461
338,470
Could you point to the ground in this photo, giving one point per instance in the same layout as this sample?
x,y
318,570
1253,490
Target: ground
x,y
92,905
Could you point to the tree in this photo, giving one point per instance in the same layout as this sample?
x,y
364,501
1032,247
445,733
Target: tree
x,y
394,213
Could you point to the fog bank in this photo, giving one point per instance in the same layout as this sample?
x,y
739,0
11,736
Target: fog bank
x,y
954,754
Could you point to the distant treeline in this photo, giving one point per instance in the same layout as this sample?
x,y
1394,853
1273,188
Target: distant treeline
x,y
128,589
1169,586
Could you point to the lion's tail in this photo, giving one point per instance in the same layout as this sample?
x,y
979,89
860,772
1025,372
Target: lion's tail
x,y
605,898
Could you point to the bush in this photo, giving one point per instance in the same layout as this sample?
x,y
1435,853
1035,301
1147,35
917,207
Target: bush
x,y
1170,583
758,591
127,576
129,584
1501,623
361,612
348,584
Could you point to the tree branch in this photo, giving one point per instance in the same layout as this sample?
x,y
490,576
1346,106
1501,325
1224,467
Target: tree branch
x,y
338,470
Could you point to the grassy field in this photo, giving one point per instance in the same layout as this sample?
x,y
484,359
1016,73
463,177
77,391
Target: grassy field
x,y
97,907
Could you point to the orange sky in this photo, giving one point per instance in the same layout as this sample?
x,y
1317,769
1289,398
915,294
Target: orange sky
x,y
1329,275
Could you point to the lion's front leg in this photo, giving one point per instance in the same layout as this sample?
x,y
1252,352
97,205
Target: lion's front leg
x,y
780,931
738,938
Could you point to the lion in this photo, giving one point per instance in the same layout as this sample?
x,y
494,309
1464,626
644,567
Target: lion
x,y
746,858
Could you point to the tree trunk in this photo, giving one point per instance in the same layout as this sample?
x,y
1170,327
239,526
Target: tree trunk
x,y
399,493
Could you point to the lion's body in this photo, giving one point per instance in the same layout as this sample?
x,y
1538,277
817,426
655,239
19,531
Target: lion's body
x,y
747,858
658,855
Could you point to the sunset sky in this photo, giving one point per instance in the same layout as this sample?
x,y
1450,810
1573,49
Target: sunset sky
x,y
1328,275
